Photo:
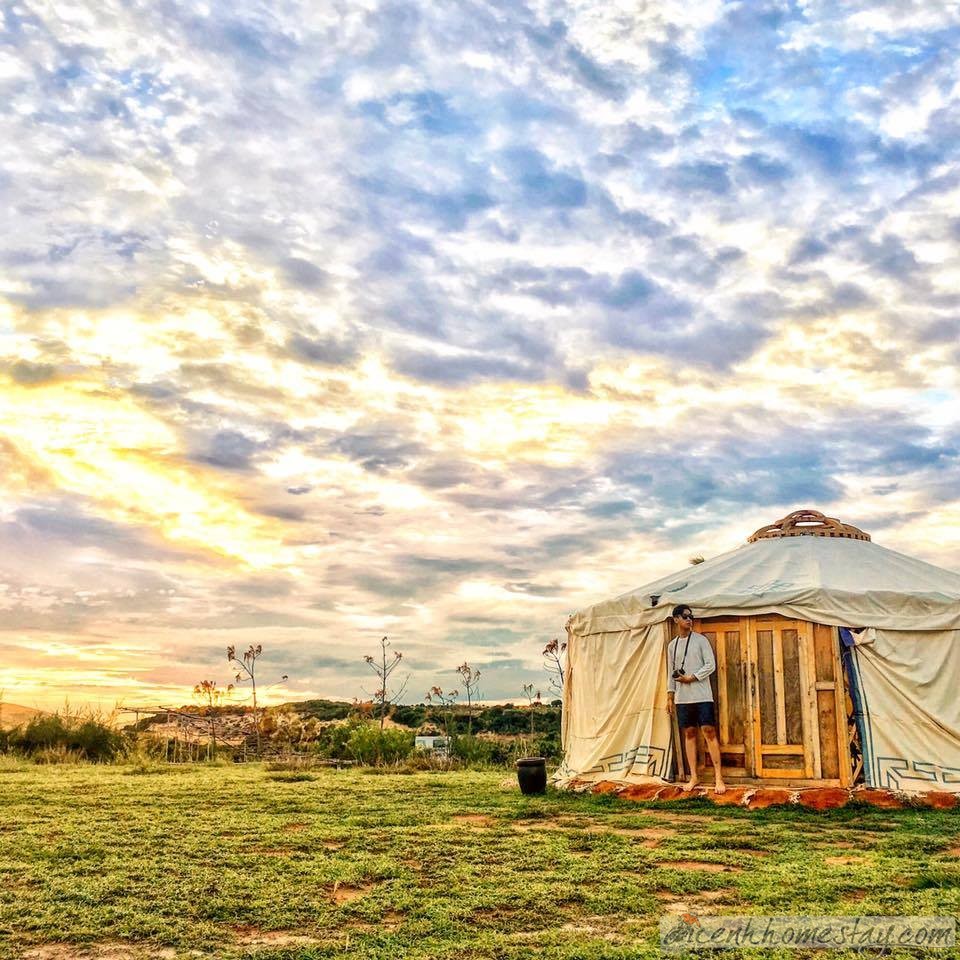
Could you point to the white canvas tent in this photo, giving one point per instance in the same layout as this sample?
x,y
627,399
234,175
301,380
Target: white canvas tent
x,y
823,638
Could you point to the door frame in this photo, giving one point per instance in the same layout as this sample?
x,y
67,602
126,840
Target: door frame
x,y
753,770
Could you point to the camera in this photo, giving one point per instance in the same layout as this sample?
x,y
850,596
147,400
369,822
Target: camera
x,y
677,674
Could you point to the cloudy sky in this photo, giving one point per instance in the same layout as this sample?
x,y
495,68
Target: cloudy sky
x,y
326,321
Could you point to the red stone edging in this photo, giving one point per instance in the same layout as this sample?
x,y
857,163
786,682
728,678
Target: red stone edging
x,y
758,798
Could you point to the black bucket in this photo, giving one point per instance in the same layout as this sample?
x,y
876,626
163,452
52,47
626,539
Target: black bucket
x,y
532,774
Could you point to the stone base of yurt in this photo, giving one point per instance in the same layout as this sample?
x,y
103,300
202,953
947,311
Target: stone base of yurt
x,y
758,798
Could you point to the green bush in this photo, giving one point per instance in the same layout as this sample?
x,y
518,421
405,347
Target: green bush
x,y
362,741
52,738
96,741
472,750
41,732
369,744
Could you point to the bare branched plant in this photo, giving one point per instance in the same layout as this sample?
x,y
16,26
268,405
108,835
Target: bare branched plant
x,y
534,700
695,560
384,668
471,687
210,695
553,656
247,670
446,701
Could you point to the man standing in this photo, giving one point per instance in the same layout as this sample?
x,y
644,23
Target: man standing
x,y
690,662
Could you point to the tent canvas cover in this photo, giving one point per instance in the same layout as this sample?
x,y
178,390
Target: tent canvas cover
x,y
902,664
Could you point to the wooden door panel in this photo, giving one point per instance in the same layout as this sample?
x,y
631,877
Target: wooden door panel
x,y
780,652
728,640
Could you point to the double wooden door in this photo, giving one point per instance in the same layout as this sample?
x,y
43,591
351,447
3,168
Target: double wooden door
x,y
776,688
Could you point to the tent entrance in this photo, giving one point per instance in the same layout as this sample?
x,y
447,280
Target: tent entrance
x,y
779,693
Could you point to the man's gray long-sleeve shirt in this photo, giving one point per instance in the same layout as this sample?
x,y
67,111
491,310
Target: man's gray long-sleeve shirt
x,y
700,663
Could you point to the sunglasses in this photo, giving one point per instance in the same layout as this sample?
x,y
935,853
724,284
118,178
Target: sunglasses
x,y
686,616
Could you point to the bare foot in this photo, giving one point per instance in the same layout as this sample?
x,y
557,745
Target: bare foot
x,y
689,785
720,787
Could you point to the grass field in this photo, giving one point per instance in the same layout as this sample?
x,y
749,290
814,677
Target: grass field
x,y
236,861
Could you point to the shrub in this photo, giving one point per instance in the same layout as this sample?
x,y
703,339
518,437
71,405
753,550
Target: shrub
x,y
473,750
97,742
370,745
41,732
52,738
362,741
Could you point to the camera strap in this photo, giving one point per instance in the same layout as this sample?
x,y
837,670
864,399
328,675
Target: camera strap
x,y
683,662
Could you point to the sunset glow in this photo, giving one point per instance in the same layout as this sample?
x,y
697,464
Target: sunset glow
x,y
441,322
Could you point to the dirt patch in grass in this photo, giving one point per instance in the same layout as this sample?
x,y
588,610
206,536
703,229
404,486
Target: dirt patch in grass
x,y
685,819
475,819
645,833
331,845
952,852
844,861
596,927
694,903
294,827
250,936
649,837
701,866
346,893
98,951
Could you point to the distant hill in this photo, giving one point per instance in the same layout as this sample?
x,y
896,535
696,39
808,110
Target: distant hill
x,y
13,715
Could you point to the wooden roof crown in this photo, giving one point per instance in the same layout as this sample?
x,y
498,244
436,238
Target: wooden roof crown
x,y
808,523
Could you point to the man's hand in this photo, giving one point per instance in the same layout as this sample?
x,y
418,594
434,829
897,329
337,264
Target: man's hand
x,y
687,678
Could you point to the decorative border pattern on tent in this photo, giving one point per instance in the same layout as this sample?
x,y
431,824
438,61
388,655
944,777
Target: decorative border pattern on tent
x,y
654,758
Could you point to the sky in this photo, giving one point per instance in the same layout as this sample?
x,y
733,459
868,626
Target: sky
x,y
322,322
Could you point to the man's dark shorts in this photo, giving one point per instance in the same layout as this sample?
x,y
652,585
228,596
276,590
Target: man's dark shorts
x,y
696,714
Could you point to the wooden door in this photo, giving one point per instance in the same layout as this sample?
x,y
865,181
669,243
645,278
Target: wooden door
x,y
782,698
779,695
728,638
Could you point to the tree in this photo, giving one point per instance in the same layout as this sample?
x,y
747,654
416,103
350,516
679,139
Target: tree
x,y
471,681
383,669
533,699
446,701
553,655
247,670
210,695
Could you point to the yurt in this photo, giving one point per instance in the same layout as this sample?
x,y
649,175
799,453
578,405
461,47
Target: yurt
x,y
838,663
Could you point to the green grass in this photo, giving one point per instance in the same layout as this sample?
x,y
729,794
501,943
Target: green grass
x,y
239,861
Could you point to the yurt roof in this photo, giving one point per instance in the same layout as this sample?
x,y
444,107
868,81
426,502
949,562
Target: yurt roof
x,y
827,573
